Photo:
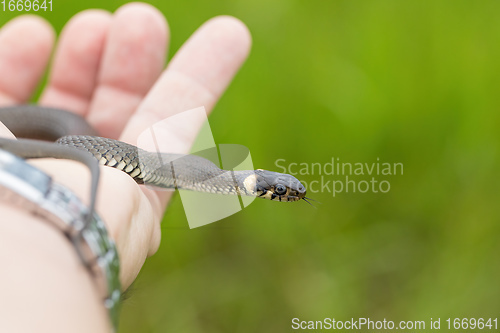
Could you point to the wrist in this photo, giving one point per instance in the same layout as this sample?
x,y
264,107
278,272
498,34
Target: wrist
x,y
44,277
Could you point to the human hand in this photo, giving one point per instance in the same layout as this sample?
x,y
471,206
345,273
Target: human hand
x,y
108,68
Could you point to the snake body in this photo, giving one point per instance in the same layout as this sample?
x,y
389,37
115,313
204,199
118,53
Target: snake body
x,y
164,170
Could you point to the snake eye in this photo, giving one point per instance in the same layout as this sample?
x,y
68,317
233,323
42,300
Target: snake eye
x,y
280,189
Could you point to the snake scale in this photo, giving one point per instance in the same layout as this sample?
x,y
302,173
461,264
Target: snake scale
x,y
164,170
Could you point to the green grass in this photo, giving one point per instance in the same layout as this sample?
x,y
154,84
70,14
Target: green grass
x,y
414,82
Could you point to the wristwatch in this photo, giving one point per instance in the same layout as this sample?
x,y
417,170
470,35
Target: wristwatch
x,y
32,189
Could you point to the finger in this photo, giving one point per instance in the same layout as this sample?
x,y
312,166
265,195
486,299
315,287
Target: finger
x,y
25,46
197,76
133,59
76,62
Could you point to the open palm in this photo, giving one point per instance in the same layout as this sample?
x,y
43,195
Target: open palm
x,y
109,69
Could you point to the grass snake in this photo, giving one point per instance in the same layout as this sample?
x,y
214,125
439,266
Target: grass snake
x,y
77,140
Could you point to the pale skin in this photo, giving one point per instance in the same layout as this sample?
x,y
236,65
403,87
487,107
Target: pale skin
x,y
108,68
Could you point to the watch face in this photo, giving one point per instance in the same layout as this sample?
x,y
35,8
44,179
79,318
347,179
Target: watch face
x,y
22,178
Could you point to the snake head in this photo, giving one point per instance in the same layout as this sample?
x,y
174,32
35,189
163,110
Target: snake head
x,y
278,186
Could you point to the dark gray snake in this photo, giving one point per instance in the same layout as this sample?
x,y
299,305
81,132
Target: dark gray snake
x,y
78,140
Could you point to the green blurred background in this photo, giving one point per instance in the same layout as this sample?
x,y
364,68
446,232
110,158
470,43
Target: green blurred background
x,y
414,82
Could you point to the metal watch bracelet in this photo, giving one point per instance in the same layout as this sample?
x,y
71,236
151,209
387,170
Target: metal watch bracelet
x,y
32,189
